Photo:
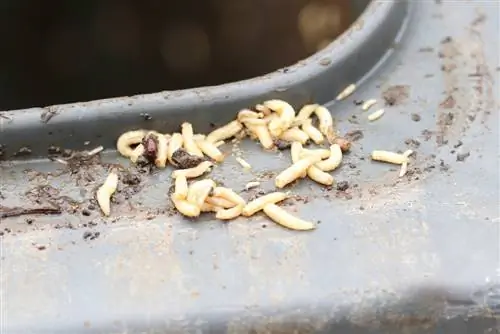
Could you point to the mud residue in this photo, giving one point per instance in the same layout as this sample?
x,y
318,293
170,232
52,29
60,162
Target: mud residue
x,y
396,95
183,159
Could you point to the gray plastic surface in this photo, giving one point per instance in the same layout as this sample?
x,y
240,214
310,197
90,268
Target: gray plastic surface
x,y
413,255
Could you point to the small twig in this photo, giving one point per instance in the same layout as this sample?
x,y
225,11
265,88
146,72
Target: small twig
x,y
16,212
95,151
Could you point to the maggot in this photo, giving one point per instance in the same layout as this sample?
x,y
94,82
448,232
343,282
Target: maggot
x,y
295,171
228,214
333,161
189,143
286,116
190,173
199,191
227,131
105,192
259,203
390,157
127,140
286,219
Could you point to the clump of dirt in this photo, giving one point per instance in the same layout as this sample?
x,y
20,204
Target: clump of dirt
x,y
354,135
282,145
396,95
183,159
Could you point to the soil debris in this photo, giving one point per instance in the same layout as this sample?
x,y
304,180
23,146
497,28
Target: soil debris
x,y
6,212
342,185
396,94
184,160
416,117
150,143
412,142
282,145
89,235
354,135
461,156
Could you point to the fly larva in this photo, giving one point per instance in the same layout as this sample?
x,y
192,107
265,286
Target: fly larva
x,y
181,187
175,143
283,218
254,121
208,148
313,133
191,173
162,150
404,169
263,109
325,121
228,194
317,175
127,140
376,115
296,151
209,208
368,104
199,191
105,192
137,153
333,161
262,133
229,214
321,152
189,143
219,143
220,202
248,114
184,207
295,171
408,153
227,131
295,134
243,163
259,203
305,113
251,185
286,116
389,157
346,92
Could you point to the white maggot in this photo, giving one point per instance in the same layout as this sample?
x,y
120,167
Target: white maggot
x,y
325,121
286,116
285,219
389,157
295,134
295,171
199,191
189,143
259,203
181,187
161,150
191,173
127,140
333,161
227,131
228,214
105,192
229,195
305,113
209,149
184,207
137,153
313,133
175,143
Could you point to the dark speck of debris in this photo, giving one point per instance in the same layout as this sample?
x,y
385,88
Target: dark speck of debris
x,y
41,247
444,167
131,179
426,49
1,233
86,212
412,142
354,135
361,208
264,226
446,40
52,150
462,156
185,160
282,145
29,221
342,186
352,165
458,144
395,95
448,119
146,116
88,235
415,117
358,102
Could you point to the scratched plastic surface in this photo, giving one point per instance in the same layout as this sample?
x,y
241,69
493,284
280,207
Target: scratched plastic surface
x,y
411,255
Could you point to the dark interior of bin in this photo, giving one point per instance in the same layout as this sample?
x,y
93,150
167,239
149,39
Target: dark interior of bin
x,y
64,51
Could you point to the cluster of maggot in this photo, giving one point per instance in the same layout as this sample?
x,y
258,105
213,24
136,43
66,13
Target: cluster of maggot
x,y
268,123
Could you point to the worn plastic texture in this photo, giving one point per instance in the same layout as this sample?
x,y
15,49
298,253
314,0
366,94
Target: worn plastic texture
x,y
415,255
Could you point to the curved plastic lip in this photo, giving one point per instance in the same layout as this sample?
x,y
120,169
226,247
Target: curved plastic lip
x,y
343,47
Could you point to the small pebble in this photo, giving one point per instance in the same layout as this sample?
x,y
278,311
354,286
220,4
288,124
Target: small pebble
x,y
415,117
